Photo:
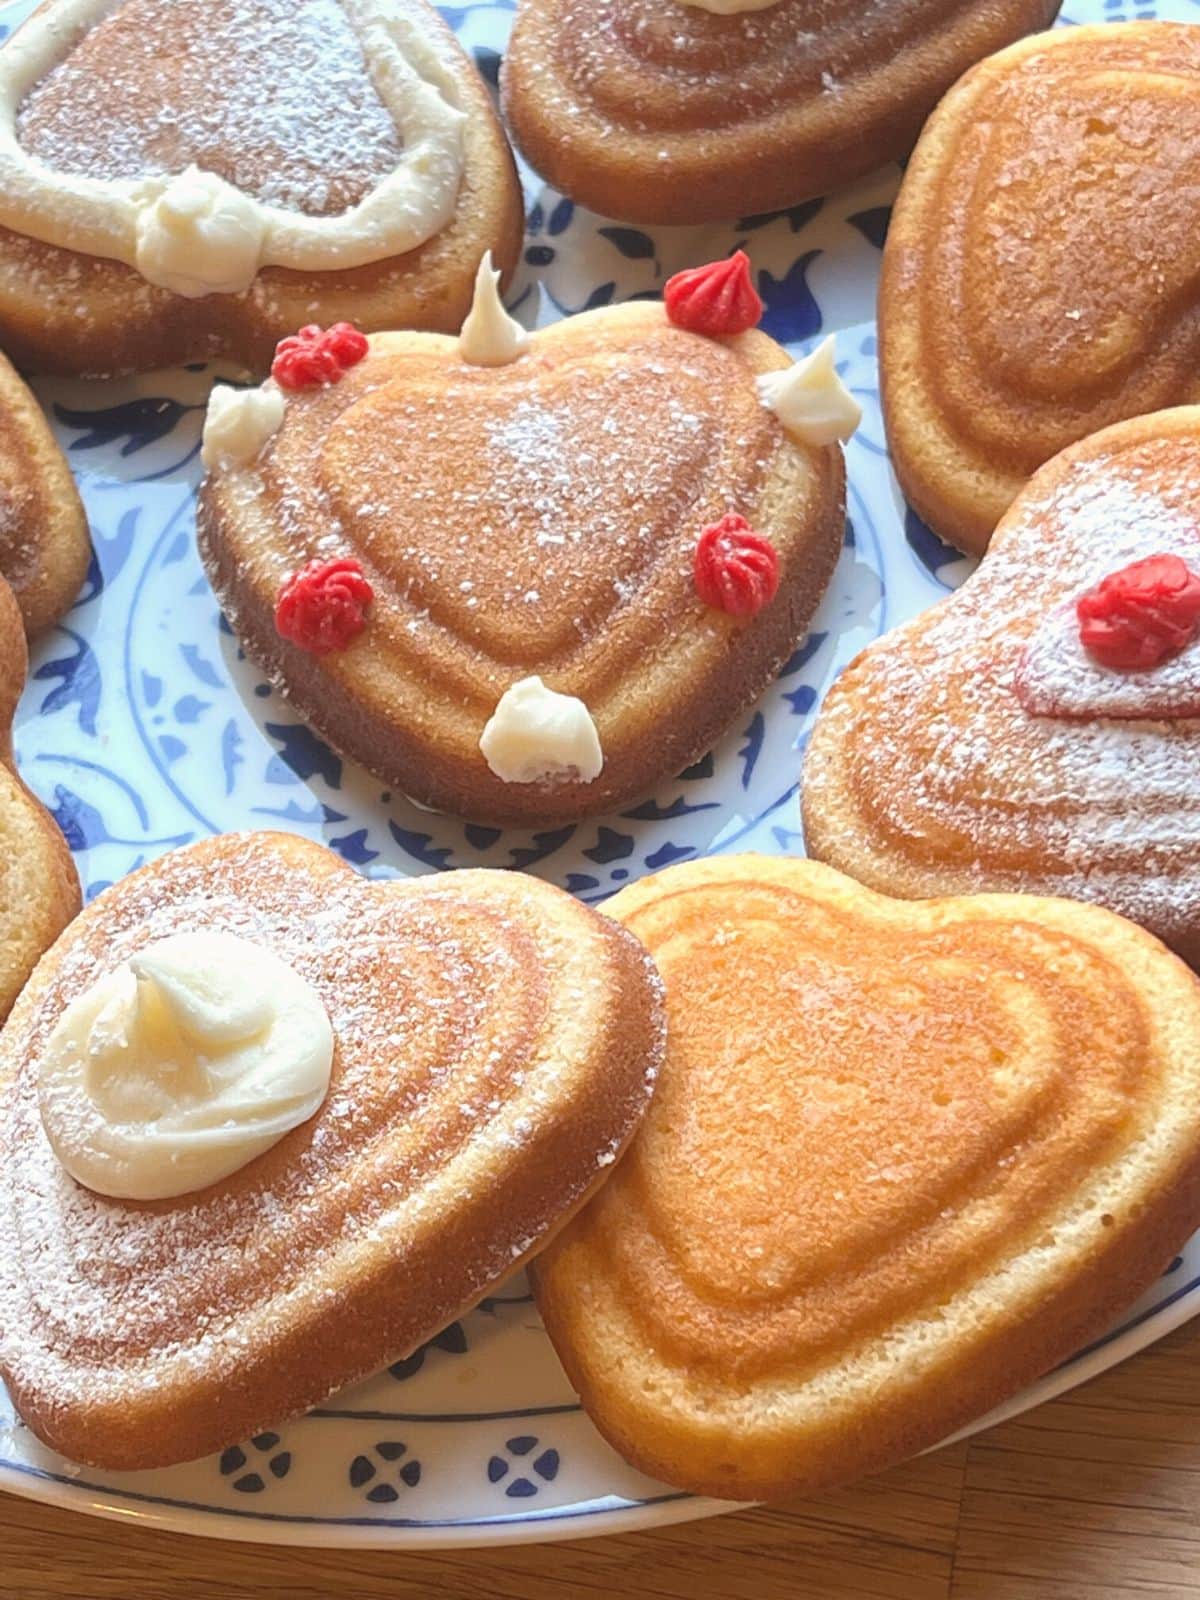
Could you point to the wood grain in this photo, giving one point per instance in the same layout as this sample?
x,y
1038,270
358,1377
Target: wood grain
x,y
1093,1497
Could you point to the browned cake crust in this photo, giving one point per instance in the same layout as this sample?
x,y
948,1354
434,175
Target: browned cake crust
x,y
39,888
657,111
496,1043
1039,278
926,774
64,312
44,542
904,1157
537,518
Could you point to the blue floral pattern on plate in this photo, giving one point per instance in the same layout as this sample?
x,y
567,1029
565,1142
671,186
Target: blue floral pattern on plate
x,y
143,727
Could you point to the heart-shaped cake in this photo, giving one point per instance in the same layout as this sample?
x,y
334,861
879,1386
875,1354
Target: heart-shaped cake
x,y
997,743
39,889
1041,268
700,110
184,179
44,542
904,1157
560,577
494,1045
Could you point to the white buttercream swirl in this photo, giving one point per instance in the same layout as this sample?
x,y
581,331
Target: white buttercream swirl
x,y
489,336
810,399
181,1065
197,235
239,422
536,733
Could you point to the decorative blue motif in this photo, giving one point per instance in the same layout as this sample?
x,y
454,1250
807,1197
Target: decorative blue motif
x,y
245,1472
541,1470
452,1340
143,727
371,1473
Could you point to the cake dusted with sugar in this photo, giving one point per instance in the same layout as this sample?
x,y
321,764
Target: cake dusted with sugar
x,y
524,577
197,178
494,1045
995,742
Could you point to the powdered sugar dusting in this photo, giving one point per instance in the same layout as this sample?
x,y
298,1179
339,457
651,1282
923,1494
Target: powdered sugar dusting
x,y
273,95
950,771
1057,677
427,472
459,1044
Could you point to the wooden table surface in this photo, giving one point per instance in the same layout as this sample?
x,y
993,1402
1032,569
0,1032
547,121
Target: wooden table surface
x,y
1094,1496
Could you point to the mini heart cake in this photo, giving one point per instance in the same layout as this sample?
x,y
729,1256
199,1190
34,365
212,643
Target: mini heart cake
x,y
904,1157
1041,269
44,542
39,889
1040,729
185,179
700,110
266,1126
524,577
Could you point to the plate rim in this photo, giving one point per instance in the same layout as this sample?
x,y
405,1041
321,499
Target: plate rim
x,y
555,1524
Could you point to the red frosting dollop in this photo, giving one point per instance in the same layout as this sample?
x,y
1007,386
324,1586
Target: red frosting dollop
x,y
316,356
324,605
716,300
1141,616
737,570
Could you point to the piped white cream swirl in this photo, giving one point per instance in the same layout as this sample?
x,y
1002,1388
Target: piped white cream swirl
x,y
181,1065
810,399
489,336
536,733
239,422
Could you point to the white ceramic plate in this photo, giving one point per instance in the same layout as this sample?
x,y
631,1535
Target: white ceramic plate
x,y
143,728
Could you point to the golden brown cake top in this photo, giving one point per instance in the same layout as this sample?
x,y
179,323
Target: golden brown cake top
x,y
539,518
1039,278
524,510
890,1142
665,65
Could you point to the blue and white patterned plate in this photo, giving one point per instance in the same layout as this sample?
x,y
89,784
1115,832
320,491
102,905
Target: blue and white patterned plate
x,y
143,728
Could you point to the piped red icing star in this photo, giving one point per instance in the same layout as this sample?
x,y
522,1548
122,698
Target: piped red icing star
x,y
737,570
316,356
716,300
323,607
1137,618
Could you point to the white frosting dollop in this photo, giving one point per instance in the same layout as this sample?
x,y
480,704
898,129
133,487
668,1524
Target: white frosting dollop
x,y
810,399
181,1065
239,422
729,8
536,733
198,235
489,336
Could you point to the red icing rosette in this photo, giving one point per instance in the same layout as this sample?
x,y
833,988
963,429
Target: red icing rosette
x,y
717,300
1142,615
736,569
316,356
323,607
